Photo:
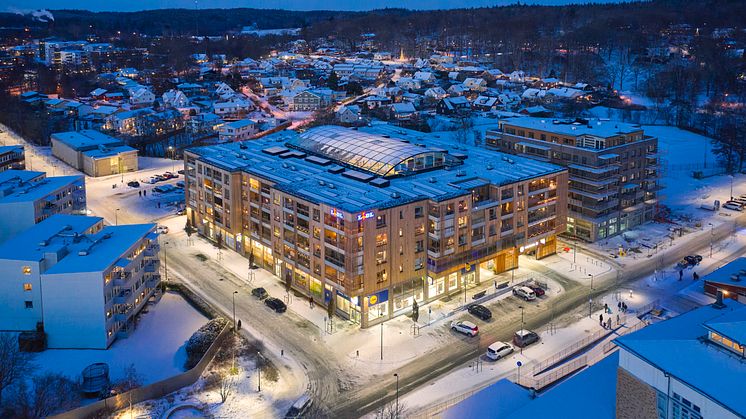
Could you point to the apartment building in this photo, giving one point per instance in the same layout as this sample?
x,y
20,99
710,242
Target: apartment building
x,y
27,198
690,366
81,281
237,130
613,168
12,157
374,220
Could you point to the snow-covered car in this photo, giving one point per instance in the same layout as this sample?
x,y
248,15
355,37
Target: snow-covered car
x,y
733,206
499,350
465,327
299,407
523,338
161,229
524,292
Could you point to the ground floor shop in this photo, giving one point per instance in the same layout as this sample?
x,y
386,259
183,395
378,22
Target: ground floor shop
x,y
375,307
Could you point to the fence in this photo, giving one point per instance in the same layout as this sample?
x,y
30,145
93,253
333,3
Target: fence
x,y
570,350
151,391
648,307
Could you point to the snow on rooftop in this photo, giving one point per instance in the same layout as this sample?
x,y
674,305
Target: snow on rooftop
x,y
595,127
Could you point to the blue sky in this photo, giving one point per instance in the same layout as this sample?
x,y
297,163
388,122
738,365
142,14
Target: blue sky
x,y
134,5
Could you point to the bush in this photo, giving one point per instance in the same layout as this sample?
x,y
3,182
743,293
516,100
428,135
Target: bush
x,y
201,340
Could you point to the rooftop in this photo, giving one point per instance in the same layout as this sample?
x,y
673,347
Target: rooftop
x,y
25,186
11,148
321,179
79,242
595,127
675,347
85,139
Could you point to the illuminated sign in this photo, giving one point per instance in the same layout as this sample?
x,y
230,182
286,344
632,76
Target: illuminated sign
x,y
336,213
365,215
532,245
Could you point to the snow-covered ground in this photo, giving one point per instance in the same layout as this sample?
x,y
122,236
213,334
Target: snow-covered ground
x,y
155,348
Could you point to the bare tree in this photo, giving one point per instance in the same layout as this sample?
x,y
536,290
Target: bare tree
x,y
49,393
227,384
14,364
392,410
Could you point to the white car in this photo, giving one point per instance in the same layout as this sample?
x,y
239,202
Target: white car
x,y
465,327
499,350
161,230
524,292
732,206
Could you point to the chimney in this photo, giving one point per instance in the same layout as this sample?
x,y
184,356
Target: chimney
x,y
718,304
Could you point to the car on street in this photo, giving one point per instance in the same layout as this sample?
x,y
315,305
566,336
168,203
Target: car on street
x,y
161,229
180,211
298,408
499,350
170,175
693,259
524,292
180,184
539,291
465,327
133,184
259,293
181,171
523,338
733,206
480,311
275,304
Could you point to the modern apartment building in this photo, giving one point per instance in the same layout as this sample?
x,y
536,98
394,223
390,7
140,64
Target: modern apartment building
x,y
374,220
12,157
613,168
691,366
27,198
81,281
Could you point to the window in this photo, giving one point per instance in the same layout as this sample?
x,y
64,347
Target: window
x,y
27,286
419,212
381,239
381,220
27,270
29,304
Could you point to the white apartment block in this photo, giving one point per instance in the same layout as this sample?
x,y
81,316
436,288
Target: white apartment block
x,y
83,282
27,198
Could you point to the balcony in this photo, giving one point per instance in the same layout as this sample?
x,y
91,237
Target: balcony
x,y
152,266
121,278
124,297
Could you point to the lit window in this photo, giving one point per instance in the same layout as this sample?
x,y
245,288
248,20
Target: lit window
x,y
27,270
27,287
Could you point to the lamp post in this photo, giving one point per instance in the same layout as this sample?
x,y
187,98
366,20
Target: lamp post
x,y
165,261
522,324
173,163
233,368
116,216
590,299
731,186
712,233
382,341
259,370
397,394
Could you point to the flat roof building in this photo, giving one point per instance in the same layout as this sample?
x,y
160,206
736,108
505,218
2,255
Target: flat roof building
x,y
614,168
27,198
81,281
94,153
12,157
374,219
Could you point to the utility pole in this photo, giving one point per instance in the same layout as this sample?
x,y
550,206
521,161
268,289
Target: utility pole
x,y
259,370
116,218
165,261
382,341
234,332
522,324
590,299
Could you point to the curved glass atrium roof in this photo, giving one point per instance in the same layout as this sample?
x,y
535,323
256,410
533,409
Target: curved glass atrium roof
x,y
369,152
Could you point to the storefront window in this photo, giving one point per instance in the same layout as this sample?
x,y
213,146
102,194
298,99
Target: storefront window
x,y
452,281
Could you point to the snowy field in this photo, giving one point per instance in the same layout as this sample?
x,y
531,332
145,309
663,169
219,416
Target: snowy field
x,y
156,347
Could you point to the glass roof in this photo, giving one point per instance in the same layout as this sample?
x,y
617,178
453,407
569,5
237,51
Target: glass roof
x,y
369,152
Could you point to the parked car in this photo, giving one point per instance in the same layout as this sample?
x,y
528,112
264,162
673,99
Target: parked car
x,y
480,311
133,184
259,293
181,171
732,206
180,211
524,292
693,259
499,350
170,175
180,184
161,230
152,179
465,327
523,338
275,304
299,407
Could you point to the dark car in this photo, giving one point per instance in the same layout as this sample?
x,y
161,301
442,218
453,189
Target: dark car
x,y
133,183
276,304
480,311
539,291
693,259
259,293
181,172
523,338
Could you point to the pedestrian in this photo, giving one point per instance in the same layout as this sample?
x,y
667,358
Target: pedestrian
x,y
310,302
624,307
609,323
139,193
695,276
617,318
603,324
606,307
681,274
600,319
619,305
239,324
145,193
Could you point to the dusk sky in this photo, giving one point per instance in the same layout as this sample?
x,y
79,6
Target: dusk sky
x,y
134,5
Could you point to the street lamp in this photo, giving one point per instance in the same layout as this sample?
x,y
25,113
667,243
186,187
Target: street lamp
x,y
259,370
522,323
590,299
731,186
712,233
165,261
116,217
397,394
173,163
233,369
381,340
